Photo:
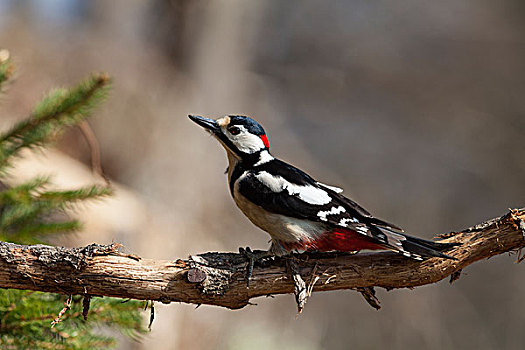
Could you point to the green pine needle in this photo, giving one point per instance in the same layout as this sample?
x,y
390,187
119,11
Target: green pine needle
x,y
81,194
25,319
6,67
30,212
59,109
26,207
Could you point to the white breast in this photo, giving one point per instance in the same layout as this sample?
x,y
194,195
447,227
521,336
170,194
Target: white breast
x,y
280,227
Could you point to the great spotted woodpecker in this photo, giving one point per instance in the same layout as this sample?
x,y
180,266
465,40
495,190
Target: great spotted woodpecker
x,y
300,213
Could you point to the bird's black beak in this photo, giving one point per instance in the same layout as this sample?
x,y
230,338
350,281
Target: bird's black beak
x,y
208,124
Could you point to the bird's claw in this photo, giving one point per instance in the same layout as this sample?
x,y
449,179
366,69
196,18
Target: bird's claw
x,y
252,258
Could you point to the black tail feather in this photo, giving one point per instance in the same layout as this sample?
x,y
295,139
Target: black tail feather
x,y
426,248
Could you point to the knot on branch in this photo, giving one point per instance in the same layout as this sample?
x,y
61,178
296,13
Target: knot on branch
x,y
213,278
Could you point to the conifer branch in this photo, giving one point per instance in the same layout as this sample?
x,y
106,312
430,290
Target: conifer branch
x,y
59,109
30,211
6,68
219,278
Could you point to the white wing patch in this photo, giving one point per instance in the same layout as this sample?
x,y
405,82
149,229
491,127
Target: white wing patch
x,y
334,211
274,183
362,229
344,221
333,188
308,194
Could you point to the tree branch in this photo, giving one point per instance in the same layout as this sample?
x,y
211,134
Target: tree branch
x,y
219,278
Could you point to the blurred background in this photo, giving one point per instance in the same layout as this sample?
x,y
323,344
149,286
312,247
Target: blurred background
x,y
415,108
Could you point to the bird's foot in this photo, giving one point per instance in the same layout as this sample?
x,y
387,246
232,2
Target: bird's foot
x,y
252,257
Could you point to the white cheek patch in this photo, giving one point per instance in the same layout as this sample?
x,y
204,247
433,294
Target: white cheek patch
x,y
244,141
308,194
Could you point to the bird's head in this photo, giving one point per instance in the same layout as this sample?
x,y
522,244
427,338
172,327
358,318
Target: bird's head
x,y
241,136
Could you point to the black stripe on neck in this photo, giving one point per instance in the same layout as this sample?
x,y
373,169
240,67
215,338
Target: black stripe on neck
x,y
238,170
247,162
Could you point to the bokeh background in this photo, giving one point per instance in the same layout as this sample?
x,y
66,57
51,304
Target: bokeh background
x,y
416,108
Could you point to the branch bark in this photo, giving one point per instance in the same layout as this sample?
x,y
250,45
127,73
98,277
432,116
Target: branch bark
x,y
219,278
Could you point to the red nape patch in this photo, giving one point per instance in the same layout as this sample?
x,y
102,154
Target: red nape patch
x,y
344,241
265,141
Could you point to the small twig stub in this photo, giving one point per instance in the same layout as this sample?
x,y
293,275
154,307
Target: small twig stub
x,y
300,289
369,294
455,276
151,315
67,306
85,306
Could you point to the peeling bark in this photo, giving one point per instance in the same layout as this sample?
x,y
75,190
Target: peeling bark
x,y
219,278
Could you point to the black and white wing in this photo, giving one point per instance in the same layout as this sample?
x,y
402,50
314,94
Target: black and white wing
x,y
283,189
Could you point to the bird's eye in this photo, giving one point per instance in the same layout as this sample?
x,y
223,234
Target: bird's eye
x,y
234,130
